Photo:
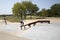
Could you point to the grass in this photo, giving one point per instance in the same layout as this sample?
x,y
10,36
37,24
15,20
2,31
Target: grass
x,y
15,19
12,19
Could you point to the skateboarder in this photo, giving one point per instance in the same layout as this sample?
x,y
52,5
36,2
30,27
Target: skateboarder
x,y
22,24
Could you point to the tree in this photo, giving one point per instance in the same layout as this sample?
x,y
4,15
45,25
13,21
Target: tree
x,y
44,13
55,10
30,7
39,13
50,13
23,8
18,10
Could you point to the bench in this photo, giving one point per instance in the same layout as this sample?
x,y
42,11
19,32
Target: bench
x,y
38,21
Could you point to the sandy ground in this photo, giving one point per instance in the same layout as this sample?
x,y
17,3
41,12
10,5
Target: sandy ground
x,y
6,36
39,32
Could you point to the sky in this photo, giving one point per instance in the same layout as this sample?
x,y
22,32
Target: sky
x,y
6,5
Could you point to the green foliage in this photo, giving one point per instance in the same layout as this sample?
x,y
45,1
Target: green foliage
x,y
50,13
43,13
53,12
16,9
56,9
21,9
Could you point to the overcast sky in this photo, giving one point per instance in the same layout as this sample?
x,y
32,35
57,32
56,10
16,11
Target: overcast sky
x,y
6,5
